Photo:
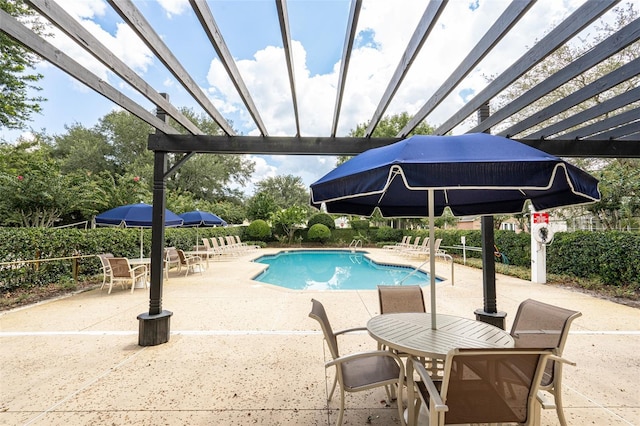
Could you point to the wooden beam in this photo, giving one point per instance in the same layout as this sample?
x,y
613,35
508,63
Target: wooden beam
x,y
427,22
40,46
603,50
210,27
283,18
67,24
576,22
137,22
350,36
271,145
498,30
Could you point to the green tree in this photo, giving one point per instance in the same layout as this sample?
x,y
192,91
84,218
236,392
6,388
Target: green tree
x,y
261,206
36,193
620,190
286,190
16,71
289,220
84,149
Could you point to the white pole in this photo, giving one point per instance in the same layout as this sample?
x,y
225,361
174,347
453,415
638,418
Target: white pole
x,y
432,257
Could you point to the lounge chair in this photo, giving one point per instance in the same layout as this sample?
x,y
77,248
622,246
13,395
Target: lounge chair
x,y
539,324
480,386
220,245
415,248
425,250
190,262
122,273
359,371
247,246
401,244
106,269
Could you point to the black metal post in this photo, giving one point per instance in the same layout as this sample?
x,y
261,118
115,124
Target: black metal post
x,y
489,313
154,326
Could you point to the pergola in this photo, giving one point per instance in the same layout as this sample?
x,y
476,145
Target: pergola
x,y
607,129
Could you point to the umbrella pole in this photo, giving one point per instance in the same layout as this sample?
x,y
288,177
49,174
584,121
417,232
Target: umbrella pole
x,y
141,243
432,257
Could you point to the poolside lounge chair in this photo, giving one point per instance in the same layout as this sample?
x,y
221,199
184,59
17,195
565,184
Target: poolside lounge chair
x,y
122,273
425,250
480,386
415,248
245,245
401,244
359,371
190,262
106,269
221,247
539,324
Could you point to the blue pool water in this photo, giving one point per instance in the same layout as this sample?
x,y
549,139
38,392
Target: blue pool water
x,y
333,270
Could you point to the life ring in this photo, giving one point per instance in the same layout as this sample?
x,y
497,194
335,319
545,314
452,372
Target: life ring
x,y
542,233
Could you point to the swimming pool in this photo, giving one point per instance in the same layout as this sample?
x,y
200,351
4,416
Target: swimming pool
x,y
333,270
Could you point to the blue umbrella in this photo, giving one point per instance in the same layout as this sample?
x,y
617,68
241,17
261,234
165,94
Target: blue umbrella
x,y
472,174
198,218
135,216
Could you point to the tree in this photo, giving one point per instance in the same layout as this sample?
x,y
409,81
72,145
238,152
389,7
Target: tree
x,y
84,149
289,220
286,190
388,127
16,79
36,193
261,206
620,190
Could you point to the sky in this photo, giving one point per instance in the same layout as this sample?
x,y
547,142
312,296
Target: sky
x,y
251,30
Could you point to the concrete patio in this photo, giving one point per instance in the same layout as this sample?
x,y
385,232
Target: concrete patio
x,y
246,353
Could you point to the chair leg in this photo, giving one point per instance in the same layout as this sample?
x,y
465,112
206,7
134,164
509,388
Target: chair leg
x,y
333,388
557,396
341,413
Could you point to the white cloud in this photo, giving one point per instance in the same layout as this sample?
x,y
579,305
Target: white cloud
x,y
174,7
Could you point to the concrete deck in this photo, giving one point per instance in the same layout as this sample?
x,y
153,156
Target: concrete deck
x,y
245,353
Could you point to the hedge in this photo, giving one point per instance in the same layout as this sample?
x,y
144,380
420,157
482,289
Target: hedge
x,y
611,257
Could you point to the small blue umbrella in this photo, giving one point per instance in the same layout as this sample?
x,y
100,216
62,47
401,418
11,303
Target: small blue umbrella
x,y
138,215
472,174
198,218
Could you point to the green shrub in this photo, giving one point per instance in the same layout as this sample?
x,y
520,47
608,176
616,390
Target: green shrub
x,y
259,230
386,233
319,232
359,225
322,218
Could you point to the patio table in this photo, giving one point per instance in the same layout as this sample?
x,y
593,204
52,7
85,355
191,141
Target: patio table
x,y
412,334
141,261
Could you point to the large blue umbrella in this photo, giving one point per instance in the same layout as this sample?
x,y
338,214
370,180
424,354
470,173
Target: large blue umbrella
x,y
472,174
198,218
135,216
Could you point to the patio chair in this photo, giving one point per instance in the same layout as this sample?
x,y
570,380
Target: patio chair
x,y
400,298
106,269
122,272
539,324
359,371
395,299
414,246
222,248
247,246
171,260
190,261
480,386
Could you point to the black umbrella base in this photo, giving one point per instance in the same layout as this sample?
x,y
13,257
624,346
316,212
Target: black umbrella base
x,y
497,319
154,329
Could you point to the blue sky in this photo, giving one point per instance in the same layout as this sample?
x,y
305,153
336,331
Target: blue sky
x,y
251,31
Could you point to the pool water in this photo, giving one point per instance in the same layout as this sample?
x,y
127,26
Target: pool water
x,y
333,270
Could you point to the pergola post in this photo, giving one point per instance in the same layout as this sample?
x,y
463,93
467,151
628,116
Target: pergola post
x,y
489,312
154,326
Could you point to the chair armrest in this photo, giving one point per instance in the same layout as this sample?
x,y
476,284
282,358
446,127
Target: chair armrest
x,y
142,268
357,355
349,330
437,404
562,360
544,402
